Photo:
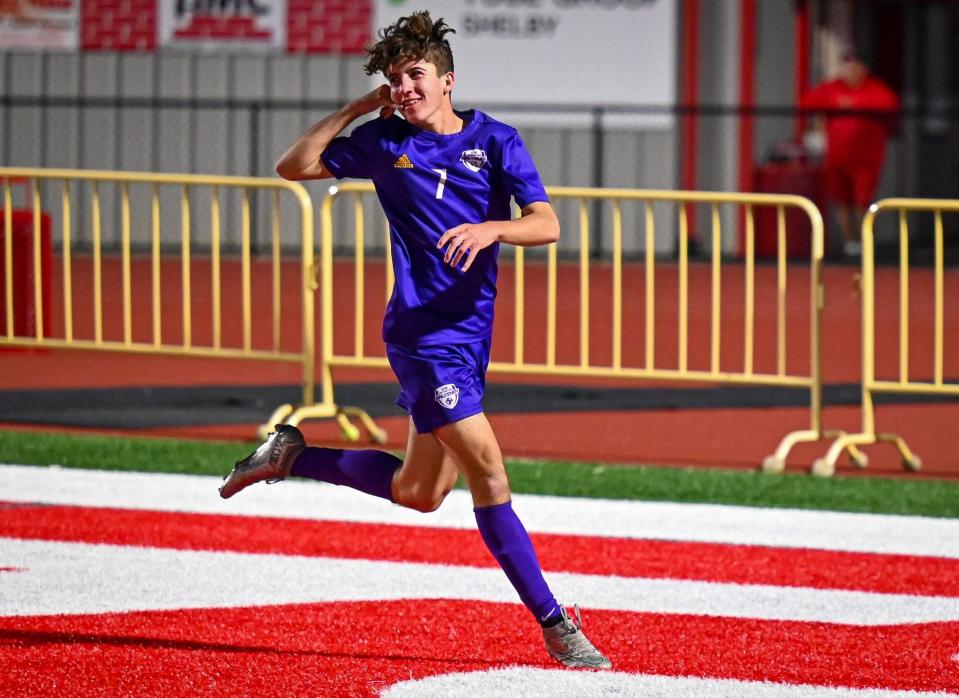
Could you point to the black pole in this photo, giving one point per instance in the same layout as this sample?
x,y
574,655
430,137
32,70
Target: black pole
x,y
254,168
44,111
7,109
599,147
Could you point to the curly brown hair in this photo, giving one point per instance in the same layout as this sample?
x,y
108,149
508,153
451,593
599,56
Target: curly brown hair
x,y
417,37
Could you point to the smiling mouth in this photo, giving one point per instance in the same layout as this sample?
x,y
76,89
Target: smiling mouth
x,y
409,103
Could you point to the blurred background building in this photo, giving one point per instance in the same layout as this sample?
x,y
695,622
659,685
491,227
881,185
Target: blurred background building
x,y
688,94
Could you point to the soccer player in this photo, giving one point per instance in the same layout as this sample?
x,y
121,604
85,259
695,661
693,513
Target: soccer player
x,y
444,179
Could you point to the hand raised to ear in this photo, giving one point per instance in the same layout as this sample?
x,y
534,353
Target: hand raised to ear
x,y
387,110
376,99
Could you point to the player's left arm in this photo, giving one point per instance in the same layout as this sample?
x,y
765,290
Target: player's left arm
x,y
537,225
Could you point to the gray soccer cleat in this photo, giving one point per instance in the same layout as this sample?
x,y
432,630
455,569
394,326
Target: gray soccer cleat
x,y
272,461
567,644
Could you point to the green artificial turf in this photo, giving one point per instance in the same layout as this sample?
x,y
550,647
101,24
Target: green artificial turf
x,y
675,484
750,488
121,453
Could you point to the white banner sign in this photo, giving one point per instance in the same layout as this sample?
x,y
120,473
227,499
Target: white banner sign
x,y
223,24
39,24
583,53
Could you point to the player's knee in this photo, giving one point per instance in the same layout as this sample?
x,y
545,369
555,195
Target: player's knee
x,y
423,504
493,487
423,499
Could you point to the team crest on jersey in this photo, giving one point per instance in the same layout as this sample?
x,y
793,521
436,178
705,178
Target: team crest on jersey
x,y
447,395
473,159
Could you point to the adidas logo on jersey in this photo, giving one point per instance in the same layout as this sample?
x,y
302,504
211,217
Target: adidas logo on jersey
x,y
403,162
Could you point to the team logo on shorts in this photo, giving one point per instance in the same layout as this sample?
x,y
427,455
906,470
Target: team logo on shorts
x,y
473,159
447,395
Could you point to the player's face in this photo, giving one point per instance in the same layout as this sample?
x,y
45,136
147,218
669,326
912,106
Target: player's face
x,y
853,72
421,95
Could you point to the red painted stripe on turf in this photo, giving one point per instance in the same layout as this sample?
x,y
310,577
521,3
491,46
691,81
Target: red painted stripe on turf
x,y
358,648
740,564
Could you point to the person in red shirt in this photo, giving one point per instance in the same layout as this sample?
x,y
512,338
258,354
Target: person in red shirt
x,y
855,142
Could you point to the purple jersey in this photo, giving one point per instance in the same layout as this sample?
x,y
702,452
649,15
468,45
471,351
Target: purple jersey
x,y
428,183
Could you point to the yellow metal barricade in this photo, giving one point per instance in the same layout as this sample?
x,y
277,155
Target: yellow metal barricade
x,y
872,349
107,317
583,199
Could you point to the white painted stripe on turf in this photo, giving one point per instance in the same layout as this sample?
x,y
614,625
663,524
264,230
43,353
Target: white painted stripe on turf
x,y
557,683
869,533
60,578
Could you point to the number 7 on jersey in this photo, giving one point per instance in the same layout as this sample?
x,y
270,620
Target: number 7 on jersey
x,y
442,184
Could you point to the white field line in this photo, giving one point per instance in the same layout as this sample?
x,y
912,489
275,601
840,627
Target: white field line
x,y
825,530
557,683
56,578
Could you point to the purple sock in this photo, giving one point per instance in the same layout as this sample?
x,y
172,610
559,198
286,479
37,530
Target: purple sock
x,y
367,470
506,538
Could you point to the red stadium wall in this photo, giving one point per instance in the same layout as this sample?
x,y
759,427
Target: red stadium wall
x,y
118,25
312,26
328,26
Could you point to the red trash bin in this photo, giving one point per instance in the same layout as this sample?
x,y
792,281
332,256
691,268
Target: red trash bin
x,y
797,176
23,273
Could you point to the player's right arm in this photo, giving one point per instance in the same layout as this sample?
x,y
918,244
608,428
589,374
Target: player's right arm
x,y
302,159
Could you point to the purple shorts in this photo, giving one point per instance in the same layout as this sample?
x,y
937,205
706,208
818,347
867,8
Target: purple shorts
x,y
440,384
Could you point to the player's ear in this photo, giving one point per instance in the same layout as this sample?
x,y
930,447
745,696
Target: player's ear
x,y
448,81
